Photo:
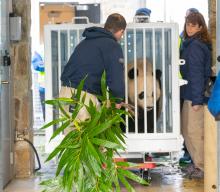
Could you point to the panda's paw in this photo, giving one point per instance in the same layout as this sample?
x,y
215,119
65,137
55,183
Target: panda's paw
x,y
149,108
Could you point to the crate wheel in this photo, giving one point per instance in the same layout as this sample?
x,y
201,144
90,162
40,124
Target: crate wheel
x,y
146,175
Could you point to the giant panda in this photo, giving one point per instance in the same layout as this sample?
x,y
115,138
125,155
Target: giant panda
x,y
140,94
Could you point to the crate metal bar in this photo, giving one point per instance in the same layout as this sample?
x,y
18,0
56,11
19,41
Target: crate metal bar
x,y
59,57
78,38
145,82
154,80
175,86
48,79
68,44
135,82
126,76
163,82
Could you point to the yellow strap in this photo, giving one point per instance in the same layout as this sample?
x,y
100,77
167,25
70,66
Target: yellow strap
x,y
180,41
180,76
41,73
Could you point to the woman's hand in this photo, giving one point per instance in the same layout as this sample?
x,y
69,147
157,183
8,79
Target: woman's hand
x,y
196,107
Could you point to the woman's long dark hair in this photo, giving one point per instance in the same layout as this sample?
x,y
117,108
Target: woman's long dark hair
x,y
197,18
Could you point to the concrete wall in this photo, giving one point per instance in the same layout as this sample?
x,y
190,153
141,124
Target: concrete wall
x,y
22,94
212,28
210,125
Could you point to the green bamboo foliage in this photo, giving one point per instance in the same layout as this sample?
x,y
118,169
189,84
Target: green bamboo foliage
x,y
85,155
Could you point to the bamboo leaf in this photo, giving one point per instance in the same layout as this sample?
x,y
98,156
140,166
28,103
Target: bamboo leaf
x,y
106,143
53,154
76,110
95,166
53,102
119,134
70,138
61,100
60,129
56,121
53,185
125,183
94,121
91,108
68,156
89,171
103,86
112,137
105,125
83,98
81,160
63,111
79,88
125,164
132,176
105,188
93,159
101,156
118,189
71,176
80,179
100,98
116,182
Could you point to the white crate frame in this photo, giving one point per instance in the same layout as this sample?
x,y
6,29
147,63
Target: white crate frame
x,y
135,142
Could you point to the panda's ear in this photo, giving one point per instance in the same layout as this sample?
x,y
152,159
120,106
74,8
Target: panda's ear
x,y
131,73
158,74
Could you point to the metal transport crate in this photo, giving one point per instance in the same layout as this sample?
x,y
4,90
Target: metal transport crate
x,y
158,42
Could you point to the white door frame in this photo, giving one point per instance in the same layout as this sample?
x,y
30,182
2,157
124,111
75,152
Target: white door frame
x,y
6,131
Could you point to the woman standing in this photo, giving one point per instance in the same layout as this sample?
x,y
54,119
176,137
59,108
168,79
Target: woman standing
x,y
196,51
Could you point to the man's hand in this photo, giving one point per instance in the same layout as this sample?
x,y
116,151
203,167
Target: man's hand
x,y
118,105
196,107
217,118
129,107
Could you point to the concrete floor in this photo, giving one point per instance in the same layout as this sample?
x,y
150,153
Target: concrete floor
x,y
23,185
163,180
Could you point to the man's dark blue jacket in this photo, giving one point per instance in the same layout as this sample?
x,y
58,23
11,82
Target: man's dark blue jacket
x,y
99,51
196,70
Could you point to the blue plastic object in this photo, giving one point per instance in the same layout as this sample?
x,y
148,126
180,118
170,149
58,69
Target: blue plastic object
x,y
214,101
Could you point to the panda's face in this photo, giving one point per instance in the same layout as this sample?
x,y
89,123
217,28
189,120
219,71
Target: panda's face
x,y
140,85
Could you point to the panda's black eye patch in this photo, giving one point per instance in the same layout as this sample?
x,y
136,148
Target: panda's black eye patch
x,y
131,73
141,95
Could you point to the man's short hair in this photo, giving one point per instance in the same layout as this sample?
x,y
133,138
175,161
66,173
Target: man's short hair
x,y
115,22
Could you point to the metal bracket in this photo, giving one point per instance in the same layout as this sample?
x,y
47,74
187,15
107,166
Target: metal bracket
x,y
182,62
81,18
141,19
